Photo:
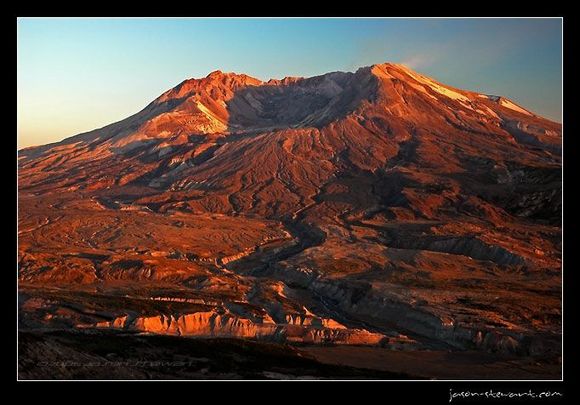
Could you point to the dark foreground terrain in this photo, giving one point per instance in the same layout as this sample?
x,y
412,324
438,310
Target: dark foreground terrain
x,y
115,355
98,354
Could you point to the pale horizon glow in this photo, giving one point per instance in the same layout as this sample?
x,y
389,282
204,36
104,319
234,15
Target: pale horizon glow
x,y
80,74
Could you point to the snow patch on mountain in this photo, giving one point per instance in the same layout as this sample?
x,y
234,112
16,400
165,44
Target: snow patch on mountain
x,y
508,104
437,87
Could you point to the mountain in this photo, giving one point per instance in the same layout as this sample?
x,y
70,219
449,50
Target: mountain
x,y
378,207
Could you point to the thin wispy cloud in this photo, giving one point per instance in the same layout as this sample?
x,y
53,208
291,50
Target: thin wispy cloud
x,y
418,61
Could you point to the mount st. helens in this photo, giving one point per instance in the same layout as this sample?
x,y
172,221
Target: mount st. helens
x,y
378,207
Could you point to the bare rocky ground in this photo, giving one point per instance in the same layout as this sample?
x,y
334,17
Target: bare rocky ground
x,y
379,211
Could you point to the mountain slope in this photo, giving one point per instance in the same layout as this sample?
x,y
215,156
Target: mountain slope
x,y
203,128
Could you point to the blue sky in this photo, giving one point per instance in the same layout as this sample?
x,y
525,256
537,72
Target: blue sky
x,y
75,75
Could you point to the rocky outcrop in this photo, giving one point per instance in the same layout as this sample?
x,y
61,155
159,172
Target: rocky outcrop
x,y
213,324
466,246
384,310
